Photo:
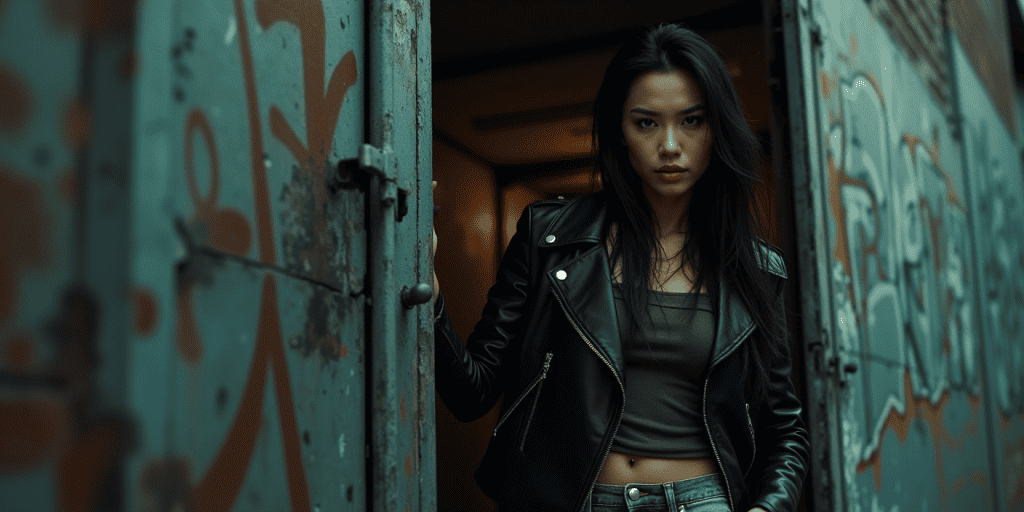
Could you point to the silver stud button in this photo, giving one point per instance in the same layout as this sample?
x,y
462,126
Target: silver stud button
x,y
682,508
550,239
634,494
561,275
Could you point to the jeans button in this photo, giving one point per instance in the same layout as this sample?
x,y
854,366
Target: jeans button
x,y
682,508
634,494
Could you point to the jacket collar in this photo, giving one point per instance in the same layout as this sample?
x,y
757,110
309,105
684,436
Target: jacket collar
x,y
585,286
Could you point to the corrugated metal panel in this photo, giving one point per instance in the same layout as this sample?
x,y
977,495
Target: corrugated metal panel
x,y
901,338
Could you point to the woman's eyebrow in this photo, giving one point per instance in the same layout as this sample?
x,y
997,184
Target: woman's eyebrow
x,y
644,111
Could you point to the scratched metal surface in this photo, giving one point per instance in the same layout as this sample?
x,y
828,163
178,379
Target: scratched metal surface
x,y
249,386
997,201
901,306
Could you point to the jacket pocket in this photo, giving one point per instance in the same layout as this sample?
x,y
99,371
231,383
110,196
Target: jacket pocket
x,y
534,387
753,441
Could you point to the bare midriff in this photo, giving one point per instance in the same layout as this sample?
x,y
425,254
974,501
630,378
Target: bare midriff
x,y
618,470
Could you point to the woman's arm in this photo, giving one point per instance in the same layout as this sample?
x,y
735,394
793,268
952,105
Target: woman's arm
x,y
470,377
781,435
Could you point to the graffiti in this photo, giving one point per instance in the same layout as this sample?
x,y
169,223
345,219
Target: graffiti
x,y
227,231
901,285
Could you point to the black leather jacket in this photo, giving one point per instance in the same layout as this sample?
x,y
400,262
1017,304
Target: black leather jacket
x,y
549,340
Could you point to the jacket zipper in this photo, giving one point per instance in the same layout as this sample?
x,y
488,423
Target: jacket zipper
x,y
622,388
536,382
753,442
536,398
711,437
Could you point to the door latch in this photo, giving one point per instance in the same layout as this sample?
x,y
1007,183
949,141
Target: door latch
x,y
834,366
355,173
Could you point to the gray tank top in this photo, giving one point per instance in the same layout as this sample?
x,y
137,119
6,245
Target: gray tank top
x,y
663,414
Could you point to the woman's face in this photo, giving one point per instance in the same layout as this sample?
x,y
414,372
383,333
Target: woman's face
x,y
665,131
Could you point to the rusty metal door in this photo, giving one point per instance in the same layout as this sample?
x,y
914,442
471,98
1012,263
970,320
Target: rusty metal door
x,y
893,239
215,218
282,148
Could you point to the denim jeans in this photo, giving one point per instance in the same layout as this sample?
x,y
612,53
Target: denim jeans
x,y
702,494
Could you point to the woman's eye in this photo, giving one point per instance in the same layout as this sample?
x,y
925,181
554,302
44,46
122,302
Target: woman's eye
x,y
693,121
645,122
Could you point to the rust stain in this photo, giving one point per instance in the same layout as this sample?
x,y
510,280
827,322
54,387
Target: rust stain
x,y
144,311
19,353
15,102
93,17
401,408
853,43
323,109
835,178
24,222
32,429
77,123
915,408
165,484
826,85
408,466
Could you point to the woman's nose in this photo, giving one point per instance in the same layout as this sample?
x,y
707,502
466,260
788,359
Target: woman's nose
x,y
670,144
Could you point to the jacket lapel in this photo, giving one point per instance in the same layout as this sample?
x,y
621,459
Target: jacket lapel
x,y
583,285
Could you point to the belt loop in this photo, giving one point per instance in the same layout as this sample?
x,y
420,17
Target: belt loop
x,y
670,495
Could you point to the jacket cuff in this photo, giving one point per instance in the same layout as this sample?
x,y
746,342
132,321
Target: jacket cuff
x,y
438,307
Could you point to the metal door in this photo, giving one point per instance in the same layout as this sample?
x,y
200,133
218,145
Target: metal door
x,y
279,208
215,217
889,235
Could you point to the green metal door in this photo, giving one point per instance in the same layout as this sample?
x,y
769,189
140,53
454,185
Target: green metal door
x,y
907,375
217,214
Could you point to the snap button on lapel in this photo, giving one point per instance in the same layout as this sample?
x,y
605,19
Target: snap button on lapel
x,y
561,275
550,239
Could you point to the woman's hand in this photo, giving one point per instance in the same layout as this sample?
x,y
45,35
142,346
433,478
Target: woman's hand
x,y
433,251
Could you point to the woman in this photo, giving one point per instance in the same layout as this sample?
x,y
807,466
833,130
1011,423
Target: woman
x,y
638,333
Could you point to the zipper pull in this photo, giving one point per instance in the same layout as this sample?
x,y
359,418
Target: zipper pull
x,y
547,364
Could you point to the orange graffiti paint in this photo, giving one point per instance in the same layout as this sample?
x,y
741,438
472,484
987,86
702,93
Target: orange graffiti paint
x,y
15,103
25,225
144,311
853,43
225,229
219,487
322,110
186,336
77,123
408,466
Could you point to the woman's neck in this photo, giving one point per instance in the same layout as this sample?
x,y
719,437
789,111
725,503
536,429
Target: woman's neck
x,y
670,215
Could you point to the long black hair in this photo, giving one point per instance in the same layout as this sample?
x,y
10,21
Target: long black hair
x,y
723,217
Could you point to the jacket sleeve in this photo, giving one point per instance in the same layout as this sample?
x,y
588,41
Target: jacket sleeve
x,y
470,377
782,442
